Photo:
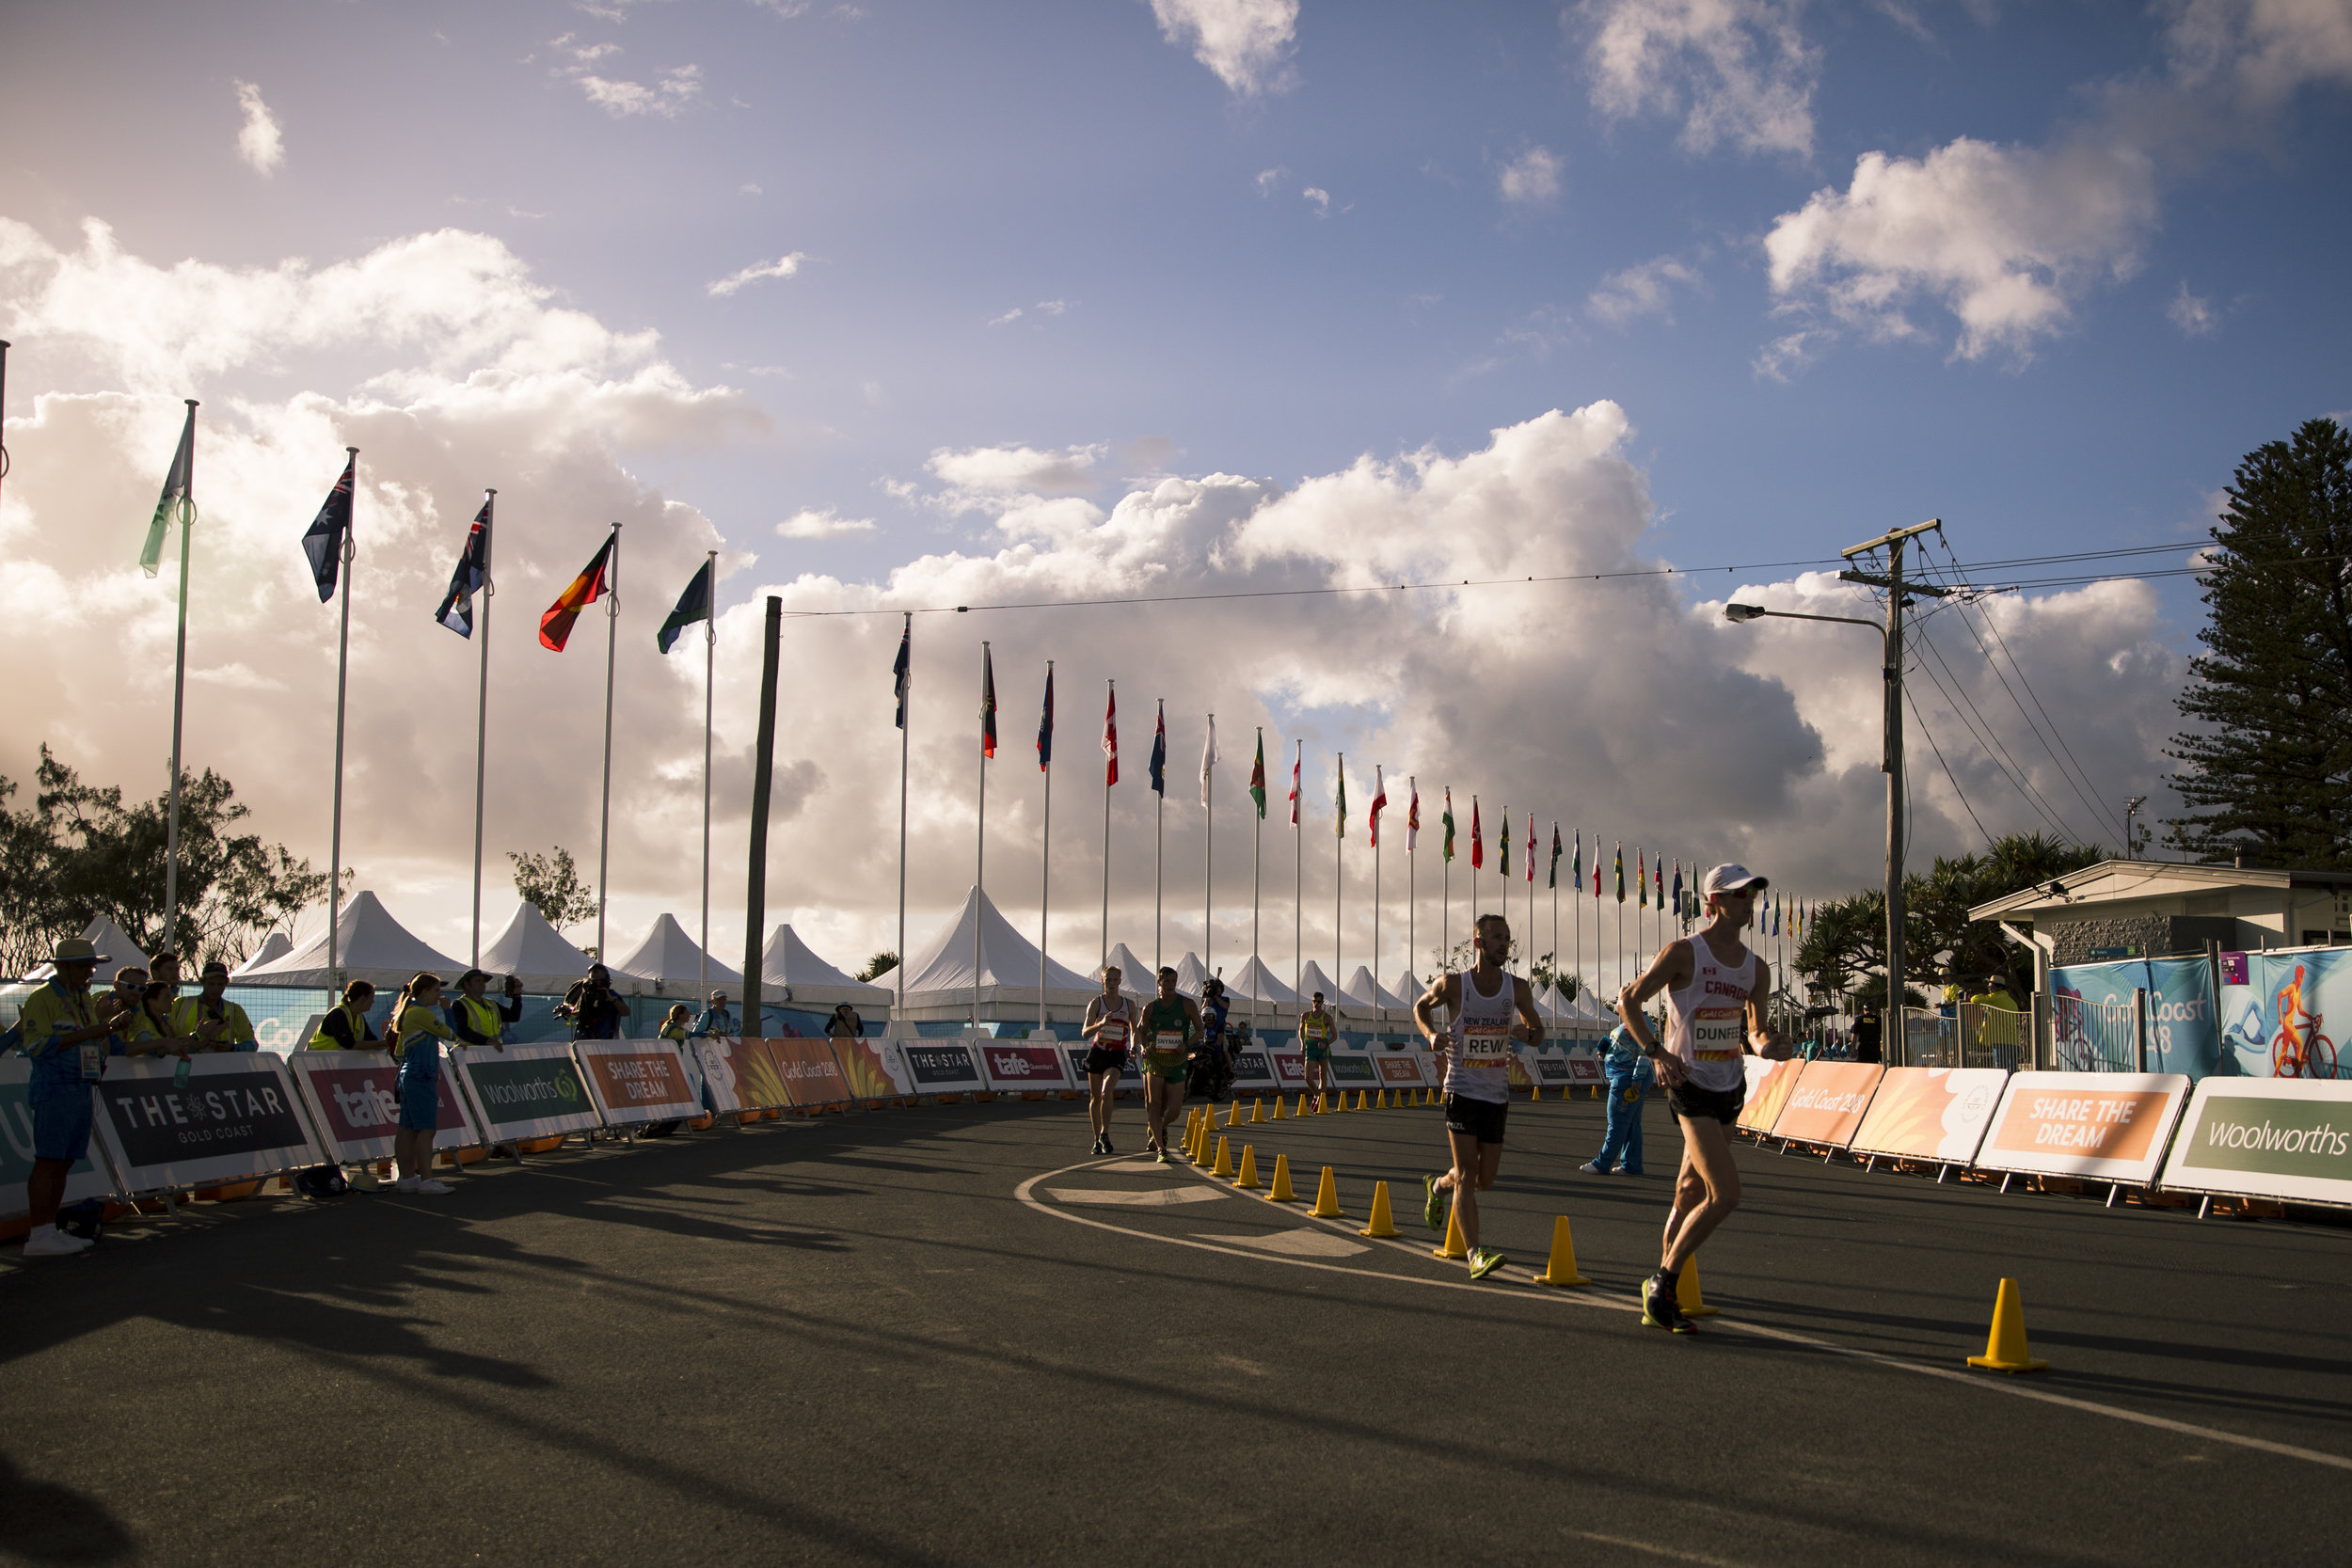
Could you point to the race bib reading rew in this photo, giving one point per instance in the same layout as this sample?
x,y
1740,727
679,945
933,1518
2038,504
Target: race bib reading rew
x,y
1487,1045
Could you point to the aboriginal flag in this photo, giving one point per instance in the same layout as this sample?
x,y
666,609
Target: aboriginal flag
x,y
555,626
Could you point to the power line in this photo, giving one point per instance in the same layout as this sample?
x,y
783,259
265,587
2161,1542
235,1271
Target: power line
x,y
1972,719
1948,775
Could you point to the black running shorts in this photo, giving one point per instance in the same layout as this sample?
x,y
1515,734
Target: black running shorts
x,y
1689,1100
1481,1119
1102,1060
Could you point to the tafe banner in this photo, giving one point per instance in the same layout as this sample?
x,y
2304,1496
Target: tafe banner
x,y
2266,1137
87,1178
526,1091
354,1100
2109,1126
635,1080
234,1119
1290,1070
1931,1113
1016,1065
1828,1103
1767,1091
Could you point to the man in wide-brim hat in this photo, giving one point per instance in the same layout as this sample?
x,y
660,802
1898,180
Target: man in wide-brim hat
x,y
66,1038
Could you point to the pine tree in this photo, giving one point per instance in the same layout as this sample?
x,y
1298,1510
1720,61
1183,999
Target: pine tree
x,y
2270,771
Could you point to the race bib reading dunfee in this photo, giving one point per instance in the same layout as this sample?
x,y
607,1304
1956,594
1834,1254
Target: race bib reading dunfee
x,y
1716,1033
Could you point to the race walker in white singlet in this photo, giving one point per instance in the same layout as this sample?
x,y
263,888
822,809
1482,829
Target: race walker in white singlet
x,y
1706,1021
1479,1066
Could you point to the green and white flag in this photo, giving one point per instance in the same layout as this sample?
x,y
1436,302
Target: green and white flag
x,y
176,503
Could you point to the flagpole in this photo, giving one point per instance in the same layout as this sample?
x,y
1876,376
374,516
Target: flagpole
x,y
979,857
482,741
710,678
604,809
1339,887
1412,854
1298,880
1377,795
1208,852
906,721
342,669
1256,837
1553,878
1159,844
1110,705
1044,877
179,691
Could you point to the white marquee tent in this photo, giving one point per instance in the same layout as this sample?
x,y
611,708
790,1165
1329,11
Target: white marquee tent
x,y
788,970
273,946
116,951
1256,983
1364,992
941,982
672,962
535,953
371,946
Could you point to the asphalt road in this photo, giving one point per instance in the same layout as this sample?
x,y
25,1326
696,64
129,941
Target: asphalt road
x,y
925,1335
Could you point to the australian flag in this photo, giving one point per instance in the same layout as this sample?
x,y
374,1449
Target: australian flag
x,y
323,542
473,570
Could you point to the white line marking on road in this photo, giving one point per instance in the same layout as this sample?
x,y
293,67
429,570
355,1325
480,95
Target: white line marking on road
x,y
1025,1194
1307,1243
1139,1167
1676,1554
1149,1198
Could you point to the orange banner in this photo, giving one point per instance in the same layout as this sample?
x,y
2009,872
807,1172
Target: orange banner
x,y
867,1071
1772,1090
2069,1122
811,1075
1931,1113
1828,1102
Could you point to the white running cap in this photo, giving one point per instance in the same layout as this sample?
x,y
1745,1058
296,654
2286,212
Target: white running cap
x,y
1731,878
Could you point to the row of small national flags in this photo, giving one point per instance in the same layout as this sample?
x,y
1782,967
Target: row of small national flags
x,y
1649,877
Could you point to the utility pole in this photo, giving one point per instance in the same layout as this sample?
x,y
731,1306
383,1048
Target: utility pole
x,y
1892,762
2131,812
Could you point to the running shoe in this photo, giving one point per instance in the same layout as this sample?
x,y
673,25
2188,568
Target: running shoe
x,y
1106,1145
1484,1261
1161,1156
430,1187
1593,1168
1659,1308
1433,1204
54,1242
1098,1145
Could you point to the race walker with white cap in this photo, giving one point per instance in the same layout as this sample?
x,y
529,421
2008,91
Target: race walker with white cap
x,y
1715,990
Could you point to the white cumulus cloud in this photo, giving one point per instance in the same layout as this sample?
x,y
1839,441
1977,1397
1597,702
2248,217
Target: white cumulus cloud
x,y
666,97
782,266
2194,315
1247,43
1644,289
1532,178
258,142
1738,72
827,524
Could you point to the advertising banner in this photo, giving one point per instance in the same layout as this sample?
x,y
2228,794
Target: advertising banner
x,y
1290,1070
1552,1069
1827,1105
526,1091
1401,1070
1130,1076
2109,1126
2094,1001
1931,1113
1017,1065
874,1068
2274,1013
944,1066
2266,1137
1769,1083
87,1178
1253,1072
232,1121
1352,1071
354,1100
741,1074
811,1075
635,1080
1584,1067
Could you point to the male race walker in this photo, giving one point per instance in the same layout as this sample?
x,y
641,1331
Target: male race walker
x,y
1491,1009
1317,1029
1171,1025
1715,991
1109,1023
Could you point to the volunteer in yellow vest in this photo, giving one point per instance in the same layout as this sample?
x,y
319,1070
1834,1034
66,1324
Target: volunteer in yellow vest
x,y
1999,1026
66,1036
1317,1029
346,1027
211,1004
1490,1012
1170,1024
415,1030
479,1021
1716,987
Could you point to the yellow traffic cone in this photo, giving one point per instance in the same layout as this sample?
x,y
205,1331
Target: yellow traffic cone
x,y
1561,1271
1686,1294
1302,1104
1536,1092
1280,1192
2005,1346
1277,1109
1362,1103
1328,1197
1248,1177
1224,1165
1232,1115
1256,1110
1382,1103
1192,1139
1382,1224
1454,1247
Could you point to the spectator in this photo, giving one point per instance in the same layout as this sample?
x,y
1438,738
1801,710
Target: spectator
x,y
64,1036
479,1021
415,1030
718,1019
211,1004
679,1024
1865,1037
593,1008
845,1024
1631,1078
346,1027
165,968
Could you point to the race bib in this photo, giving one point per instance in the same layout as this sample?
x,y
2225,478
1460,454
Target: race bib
x,y
1717,1034
1168,1040
1113,1035
1487,1045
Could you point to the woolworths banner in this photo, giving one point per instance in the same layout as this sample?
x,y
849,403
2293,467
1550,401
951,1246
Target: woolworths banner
x,y
2269,1137
526,1091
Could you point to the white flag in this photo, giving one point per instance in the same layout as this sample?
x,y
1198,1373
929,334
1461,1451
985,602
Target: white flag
x,y
1209,759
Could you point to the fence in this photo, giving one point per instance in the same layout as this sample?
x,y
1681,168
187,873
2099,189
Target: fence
x,y
2098,1036
1972,1036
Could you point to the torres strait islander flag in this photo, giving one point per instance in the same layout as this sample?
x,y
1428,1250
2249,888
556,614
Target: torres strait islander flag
x,y
555,626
